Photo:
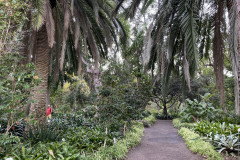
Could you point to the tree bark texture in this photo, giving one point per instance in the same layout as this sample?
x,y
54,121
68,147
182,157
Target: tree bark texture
x,y
165,108
218,53
237,108
38,108
24,48
233,10
233,7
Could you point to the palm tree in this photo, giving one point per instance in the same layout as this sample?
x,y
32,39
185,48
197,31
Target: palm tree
x,y
91,26
167,42
172,37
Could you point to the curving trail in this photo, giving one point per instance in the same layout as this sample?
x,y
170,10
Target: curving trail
x,y
162,142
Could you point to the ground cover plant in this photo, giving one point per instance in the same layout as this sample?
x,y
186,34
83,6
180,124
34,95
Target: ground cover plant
x,y
223,136
87,130
73,142
197,145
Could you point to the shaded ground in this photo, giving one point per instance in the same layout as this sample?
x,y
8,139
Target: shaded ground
x,y
162,142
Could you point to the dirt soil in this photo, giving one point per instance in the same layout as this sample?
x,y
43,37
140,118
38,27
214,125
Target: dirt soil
x,y
162,142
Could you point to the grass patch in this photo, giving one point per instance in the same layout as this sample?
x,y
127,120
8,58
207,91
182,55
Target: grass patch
x,y
178,124
197,145
149,121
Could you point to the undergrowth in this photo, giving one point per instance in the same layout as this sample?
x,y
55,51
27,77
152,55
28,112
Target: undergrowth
x,y
197,145
119,149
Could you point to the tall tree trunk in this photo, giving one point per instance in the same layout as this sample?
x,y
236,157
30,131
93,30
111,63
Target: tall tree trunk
x,y
57,49
237,107
234,11
38,108
218,53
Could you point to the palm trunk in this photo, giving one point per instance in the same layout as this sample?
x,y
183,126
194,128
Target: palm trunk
x,y
38,108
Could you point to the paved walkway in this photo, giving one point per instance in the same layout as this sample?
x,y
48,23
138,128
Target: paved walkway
x,y
162,142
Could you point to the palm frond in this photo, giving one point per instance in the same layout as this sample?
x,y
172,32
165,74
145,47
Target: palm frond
x,y
38,13
189,16
50,25
118,5
65,32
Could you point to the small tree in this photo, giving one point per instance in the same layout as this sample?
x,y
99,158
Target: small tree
x,y
172,95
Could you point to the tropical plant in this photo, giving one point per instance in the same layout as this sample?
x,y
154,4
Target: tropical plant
x,y
195,110
7,144
42,134
94,30
19,81
178,52
212,128
13,15
227,143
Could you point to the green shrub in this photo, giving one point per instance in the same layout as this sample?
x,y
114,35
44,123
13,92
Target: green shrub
x,y
198,110
197,145
148,121
66,149
205,128
178,124
222,135
166,117
7,144
42,134
228,143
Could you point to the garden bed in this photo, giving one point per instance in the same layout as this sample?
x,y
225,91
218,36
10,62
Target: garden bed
x,y
206,137
194,142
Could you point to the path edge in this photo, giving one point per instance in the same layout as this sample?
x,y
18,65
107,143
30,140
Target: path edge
x,y
194,142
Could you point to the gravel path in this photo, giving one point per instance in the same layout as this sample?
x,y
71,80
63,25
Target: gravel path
x,y
162,142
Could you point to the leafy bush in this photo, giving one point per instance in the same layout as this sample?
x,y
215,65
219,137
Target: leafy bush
x,y
87,138
122,103
148,121
16,83
146,113
227,118
7,144
42,134
54,150
226,143
197,145
206,128
195,110
68,148
166,117
72,96
222,135
78,93
178,124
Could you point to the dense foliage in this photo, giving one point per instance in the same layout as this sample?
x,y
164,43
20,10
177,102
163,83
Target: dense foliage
x,y
98,70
